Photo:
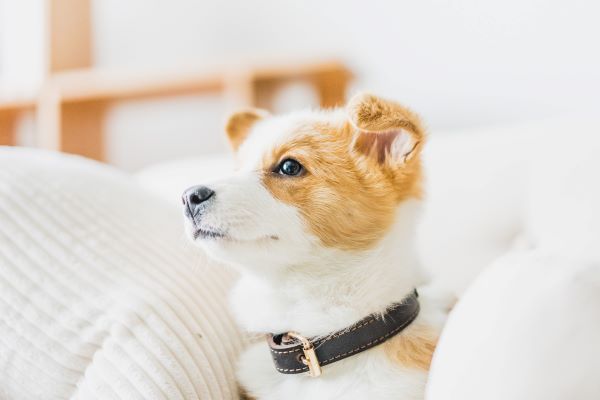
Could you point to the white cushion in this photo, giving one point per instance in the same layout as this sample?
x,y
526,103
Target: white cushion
x,y
490,190
101,296
528,328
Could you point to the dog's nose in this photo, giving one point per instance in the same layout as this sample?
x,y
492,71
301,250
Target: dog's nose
x,y
195,196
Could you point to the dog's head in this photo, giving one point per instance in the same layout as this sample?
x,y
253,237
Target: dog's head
x,y
308,182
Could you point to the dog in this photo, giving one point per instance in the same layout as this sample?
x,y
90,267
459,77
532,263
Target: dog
x,y
319,219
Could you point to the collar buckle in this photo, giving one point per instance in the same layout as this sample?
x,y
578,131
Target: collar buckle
x,y
310,358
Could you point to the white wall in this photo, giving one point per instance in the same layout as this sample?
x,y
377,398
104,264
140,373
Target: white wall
x,y
22,40
459,63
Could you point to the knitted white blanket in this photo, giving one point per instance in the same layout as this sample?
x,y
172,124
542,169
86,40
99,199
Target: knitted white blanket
x,y
100,294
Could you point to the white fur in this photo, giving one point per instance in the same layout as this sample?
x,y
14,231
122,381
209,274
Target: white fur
x,y
326,296
290,282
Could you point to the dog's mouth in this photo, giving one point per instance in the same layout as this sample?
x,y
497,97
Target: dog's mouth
x,y
214,234
202,233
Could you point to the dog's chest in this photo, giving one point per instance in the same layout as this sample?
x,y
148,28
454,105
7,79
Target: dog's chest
x,y
369,375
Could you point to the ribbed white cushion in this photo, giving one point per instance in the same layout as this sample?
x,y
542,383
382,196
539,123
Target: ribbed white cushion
x,y
101,296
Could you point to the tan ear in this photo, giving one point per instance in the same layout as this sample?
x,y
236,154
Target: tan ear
x,y
387,131
238,125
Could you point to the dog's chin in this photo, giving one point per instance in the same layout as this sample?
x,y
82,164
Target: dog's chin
x,y
232,248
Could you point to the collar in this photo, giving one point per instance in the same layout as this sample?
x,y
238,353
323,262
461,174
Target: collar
x,y
294,354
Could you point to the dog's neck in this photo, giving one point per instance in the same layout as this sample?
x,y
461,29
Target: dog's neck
x,y
335,289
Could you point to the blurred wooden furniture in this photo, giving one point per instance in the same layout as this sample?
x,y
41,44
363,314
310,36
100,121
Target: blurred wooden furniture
x,y
71,104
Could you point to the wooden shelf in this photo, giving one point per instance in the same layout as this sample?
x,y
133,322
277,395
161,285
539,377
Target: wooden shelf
x,y
114,86
70,106
17,104
111,85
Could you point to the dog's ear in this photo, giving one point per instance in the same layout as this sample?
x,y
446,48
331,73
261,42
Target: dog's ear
x,y
389,133
238,125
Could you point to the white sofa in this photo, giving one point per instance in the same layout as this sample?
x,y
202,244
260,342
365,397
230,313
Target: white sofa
x,y
102,297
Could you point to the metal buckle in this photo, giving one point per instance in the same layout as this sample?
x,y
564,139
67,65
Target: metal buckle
x,y
310,356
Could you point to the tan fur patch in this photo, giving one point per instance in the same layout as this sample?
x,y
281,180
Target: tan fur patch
x,y
413,348
371,113
380,122
238,125
347,196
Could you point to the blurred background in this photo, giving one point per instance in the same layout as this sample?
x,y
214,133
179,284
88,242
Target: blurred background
x,y
137,82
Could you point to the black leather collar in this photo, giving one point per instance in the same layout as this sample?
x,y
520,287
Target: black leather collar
x,y
295,354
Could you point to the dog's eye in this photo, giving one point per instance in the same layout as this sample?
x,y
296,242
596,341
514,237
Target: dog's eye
x,y
290,167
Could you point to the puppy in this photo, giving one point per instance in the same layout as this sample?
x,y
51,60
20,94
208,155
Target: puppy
x,y
319,219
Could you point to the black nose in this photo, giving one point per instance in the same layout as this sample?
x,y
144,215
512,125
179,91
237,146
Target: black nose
x,y
195,196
